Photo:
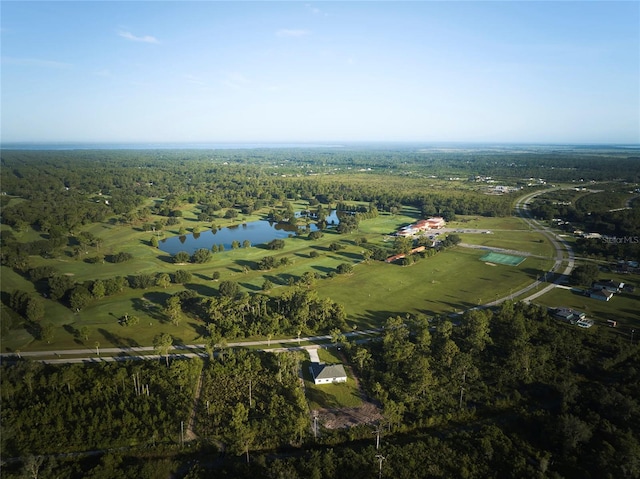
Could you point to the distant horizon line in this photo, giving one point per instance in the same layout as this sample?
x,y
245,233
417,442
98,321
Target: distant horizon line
x,y
202,145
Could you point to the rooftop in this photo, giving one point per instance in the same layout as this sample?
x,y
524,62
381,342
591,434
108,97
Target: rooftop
x,y
328,371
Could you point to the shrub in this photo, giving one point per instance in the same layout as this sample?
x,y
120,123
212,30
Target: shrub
x,y
182,277
119,257
267,263
275,244
336,246
344,268
229,289
129,320
181,257
201,256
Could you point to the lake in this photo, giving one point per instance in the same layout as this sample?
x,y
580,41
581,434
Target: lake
x,y
257,232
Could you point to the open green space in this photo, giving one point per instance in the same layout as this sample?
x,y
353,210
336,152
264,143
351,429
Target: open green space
x,y
524,241
623,307
478,386
504,224
329,396
500,258
451,281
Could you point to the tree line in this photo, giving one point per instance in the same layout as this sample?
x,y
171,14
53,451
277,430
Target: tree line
x,y
509,392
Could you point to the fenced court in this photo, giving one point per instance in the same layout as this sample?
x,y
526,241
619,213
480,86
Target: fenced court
x,y
501,258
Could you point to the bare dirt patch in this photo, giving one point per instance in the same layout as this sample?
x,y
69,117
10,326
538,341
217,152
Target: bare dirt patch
x,y
347,417
338,418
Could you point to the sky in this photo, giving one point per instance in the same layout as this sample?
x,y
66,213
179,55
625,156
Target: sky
x,y
298,71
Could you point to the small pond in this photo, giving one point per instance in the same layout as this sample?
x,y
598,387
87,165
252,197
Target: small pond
x,y
257,232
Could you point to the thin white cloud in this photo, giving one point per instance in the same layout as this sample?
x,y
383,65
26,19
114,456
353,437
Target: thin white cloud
x,y
135,38
314,10
284,32
35,62
194,79
235,80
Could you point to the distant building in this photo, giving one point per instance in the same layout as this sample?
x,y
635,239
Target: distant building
x,y
601,294
568,315
395,257
328,373
609,285
407,231
433,223
436,222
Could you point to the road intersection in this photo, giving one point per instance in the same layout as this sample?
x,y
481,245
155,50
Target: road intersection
x,y
563,254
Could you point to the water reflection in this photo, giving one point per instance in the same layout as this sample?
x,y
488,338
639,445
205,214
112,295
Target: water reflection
x,y
256,232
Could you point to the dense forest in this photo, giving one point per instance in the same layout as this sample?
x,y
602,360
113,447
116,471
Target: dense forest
x,y
496,392
67,190
599,212
504,393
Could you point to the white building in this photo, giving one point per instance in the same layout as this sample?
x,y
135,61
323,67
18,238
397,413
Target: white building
x,y
328,373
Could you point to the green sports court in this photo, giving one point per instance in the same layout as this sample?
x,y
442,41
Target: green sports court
x,y
501,258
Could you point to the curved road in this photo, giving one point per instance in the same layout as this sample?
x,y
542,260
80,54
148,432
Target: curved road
x,y
563,253
560,245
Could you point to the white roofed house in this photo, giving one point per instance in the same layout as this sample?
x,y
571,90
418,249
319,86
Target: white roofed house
x,y
328,373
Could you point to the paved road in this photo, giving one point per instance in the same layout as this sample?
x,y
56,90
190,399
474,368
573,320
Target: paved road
x,y
184,351
197,350
561,247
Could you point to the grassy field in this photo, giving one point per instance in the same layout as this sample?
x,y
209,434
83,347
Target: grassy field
x,y
623,307
525,241
453,280
328,396
510,223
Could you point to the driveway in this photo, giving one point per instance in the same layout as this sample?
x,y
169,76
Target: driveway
x,y
313,355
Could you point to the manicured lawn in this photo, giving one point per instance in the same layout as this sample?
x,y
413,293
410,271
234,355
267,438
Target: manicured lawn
x,y
534,243
327,396
623,307
329,355
451,281
509,223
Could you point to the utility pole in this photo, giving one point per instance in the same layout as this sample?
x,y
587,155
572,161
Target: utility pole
x,y
249,392
632,331
182,433
380,458
464,379
315,424
377,433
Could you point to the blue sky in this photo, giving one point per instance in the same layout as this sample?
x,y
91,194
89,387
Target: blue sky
x,y
297,71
